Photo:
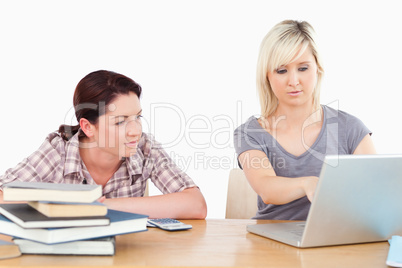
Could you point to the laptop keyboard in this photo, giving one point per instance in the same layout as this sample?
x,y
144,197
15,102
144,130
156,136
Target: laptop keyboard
x,y
298,232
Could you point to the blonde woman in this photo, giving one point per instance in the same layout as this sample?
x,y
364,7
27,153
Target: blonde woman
x,y
282,151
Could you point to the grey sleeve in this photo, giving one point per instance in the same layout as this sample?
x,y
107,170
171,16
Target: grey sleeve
x,y
355,132
245,140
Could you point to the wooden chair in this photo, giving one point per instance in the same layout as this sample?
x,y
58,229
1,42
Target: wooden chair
x,y
241,200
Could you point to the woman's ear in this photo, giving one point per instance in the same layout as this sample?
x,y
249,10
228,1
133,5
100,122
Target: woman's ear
x,y
87,127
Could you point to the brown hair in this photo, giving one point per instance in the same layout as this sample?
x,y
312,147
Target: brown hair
x,y
95,91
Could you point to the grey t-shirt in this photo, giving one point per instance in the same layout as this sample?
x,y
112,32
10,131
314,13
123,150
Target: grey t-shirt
x,y
341,133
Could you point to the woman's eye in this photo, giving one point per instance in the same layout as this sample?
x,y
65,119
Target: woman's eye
x,y
119,123
281,71
138,117
302,69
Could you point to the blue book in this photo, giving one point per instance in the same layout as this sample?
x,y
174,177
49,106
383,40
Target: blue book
x,y
120,223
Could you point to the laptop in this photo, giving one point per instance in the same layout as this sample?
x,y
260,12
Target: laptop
x,y
358,200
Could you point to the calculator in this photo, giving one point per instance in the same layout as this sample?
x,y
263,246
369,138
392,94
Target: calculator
x,y
169,224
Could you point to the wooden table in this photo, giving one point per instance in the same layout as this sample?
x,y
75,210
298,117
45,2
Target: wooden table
x,y
212,243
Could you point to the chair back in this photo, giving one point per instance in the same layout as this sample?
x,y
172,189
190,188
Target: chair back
x,y
241,200
146,193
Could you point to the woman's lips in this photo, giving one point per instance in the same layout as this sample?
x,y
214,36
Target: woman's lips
x,y
132,144
294,93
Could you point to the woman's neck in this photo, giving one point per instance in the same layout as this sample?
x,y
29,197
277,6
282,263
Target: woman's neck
x,y
294,117
101,165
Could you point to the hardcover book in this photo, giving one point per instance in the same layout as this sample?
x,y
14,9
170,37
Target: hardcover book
x,y
57,192
120,223
27,217
99,246
69,209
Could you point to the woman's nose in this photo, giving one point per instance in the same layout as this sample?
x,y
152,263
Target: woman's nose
x,y
134,128
293,79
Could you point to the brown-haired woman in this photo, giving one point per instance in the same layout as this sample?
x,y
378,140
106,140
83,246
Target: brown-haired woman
x,y
108,148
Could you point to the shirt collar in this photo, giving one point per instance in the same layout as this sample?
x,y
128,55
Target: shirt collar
x,y
73,158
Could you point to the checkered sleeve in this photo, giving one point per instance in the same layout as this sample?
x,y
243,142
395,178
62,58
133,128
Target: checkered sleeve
x,y
42,165
165,174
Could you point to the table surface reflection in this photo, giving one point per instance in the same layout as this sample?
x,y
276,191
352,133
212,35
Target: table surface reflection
x,y
212,243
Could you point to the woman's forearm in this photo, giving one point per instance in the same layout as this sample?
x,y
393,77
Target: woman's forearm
x,y
282,190
187,204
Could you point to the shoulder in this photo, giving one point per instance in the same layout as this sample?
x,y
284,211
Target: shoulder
x,y
248,127
55,146
249,136
45,164
53,149
341,117
53,142
349,129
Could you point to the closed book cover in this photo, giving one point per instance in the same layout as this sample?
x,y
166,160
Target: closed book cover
x,y
69,209
8,250
120,223
44,191
99,246
27,217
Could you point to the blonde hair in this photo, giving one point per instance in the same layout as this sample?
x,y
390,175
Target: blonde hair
x,y
284,43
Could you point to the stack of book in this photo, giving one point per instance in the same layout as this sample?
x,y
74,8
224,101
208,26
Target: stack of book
x,y
63,219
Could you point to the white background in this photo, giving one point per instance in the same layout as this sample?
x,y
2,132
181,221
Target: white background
x,y
196,63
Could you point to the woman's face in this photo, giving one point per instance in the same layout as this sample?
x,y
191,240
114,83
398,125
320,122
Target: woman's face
x,y
119,129
294,83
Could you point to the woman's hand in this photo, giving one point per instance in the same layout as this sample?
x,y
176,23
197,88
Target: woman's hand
x,y
101,199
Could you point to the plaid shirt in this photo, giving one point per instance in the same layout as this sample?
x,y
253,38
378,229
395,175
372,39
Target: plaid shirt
x,y
59,161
